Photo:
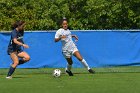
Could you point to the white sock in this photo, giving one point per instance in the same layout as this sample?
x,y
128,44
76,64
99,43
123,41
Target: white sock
x,y
68,67
85,64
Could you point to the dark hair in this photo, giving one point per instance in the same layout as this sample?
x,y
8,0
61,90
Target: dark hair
x,y
64,19
17,24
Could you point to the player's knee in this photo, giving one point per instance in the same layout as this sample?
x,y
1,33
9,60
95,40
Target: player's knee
x,y
80,59
27,58
70,63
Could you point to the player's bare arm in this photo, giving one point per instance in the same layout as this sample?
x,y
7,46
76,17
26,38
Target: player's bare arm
x,y
61,37
19,43
74,36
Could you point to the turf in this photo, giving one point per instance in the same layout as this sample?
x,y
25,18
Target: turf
x,y
106,80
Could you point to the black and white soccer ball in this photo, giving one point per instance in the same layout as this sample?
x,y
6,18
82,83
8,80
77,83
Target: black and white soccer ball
x,y
57,73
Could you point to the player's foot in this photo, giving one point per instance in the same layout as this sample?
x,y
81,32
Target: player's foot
x,y
69,72
91,71
9,77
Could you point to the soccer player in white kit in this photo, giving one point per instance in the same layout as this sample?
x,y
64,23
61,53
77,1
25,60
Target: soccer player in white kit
x,y
69,48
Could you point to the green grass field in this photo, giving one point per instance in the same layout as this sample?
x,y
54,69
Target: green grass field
x,y
106,80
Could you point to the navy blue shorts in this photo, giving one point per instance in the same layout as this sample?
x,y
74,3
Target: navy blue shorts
x,y
11,50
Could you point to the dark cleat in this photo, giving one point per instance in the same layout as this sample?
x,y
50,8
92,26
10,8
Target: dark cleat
x,y
69,72
91,71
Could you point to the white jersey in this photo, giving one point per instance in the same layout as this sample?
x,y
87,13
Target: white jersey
x,y
67,43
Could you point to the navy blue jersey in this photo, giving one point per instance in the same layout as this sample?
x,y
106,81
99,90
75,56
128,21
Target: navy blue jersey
x,y
19,36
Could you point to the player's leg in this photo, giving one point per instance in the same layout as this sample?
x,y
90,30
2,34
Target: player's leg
x,y
80,58
24,57
15,60
69,66
83,61
68,58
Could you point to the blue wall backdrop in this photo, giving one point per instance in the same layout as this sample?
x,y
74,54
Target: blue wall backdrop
x,y
100,49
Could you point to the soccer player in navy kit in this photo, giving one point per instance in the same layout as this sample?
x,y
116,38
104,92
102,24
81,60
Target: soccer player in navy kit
x,y
69,48
15,47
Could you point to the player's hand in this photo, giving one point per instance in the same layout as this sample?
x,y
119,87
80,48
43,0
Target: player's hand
x,y
63,37
25,46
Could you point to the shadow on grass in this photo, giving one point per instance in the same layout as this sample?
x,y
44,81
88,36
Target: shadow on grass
x,y
20,77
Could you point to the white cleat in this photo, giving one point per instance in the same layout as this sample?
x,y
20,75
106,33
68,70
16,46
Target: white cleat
x,y
9,77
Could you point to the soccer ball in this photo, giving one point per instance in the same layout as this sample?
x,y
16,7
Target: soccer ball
x,y
57,73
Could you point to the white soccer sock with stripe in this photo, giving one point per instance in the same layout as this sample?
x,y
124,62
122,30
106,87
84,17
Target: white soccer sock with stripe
x,y
68,67
85,64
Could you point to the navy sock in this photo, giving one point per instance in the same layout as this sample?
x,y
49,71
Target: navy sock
x,y
11,71
21,61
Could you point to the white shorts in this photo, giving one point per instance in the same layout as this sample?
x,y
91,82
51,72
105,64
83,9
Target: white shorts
x,y
68,54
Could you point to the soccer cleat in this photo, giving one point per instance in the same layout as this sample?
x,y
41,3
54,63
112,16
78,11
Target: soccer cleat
x,y
69,72
91,71
9,77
